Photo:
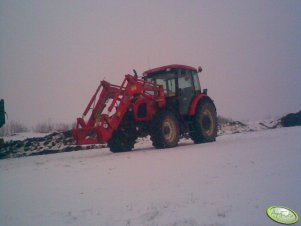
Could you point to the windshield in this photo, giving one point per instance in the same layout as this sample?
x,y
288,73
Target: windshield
x,y
166,79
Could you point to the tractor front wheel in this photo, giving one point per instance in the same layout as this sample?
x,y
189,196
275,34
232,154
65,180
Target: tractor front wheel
x,y
121,141
165,131
124,138
204,124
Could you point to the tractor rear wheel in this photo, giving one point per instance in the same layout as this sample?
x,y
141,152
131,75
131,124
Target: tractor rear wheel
x,y
165,131
204,124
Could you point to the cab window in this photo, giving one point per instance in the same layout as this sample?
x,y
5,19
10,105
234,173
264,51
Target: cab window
x,y
185,80
196,81
167,80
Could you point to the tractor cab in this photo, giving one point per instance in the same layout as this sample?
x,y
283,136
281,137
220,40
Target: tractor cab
x,y
180,83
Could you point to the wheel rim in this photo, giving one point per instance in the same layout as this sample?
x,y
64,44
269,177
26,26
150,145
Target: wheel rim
x,y
207,122
169,130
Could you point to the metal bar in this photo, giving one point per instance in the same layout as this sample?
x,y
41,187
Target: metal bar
x,y
117,95
91,101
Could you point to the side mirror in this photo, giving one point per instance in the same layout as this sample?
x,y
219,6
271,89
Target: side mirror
x,y
200,69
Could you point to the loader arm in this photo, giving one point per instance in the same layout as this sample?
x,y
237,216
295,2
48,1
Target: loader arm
x,y
108,106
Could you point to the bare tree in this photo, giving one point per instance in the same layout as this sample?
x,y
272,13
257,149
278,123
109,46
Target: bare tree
x,y
44,127
13,127
49,126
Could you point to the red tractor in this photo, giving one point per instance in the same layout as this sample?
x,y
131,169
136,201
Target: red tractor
x,y
166,103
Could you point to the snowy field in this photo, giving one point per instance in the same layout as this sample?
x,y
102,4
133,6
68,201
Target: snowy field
x,y
229,182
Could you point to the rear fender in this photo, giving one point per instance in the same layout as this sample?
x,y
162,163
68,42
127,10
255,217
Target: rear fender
x,y
195,102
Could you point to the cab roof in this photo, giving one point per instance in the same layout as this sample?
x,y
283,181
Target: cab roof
x,y
171,66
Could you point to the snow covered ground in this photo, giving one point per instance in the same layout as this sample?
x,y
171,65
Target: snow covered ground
x,y
24,136
229,182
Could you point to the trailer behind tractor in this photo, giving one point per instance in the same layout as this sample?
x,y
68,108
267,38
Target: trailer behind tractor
x,y
166,103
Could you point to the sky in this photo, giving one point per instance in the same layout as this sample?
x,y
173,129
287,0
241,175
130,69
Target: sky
x,y
54,53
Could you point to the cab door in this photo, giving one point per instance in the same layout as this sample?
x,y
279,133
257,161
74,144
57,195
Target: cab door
x,y
186,90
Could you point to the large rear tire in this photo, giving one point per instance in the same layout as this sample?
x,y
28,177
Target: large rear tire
x,y
165,131
204,124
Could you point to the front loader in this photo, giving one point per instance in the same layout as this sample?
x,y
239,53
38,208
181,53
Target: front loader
x,y
166,103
